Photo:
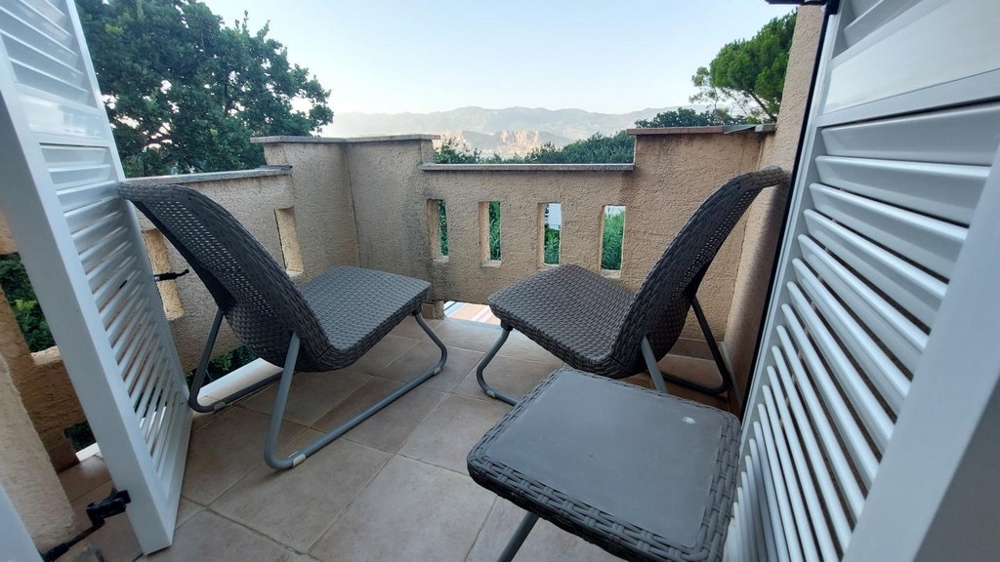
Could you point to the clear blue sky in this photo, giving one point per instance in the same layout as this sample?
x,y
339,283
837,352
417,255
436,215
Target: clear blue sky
x,y
398,56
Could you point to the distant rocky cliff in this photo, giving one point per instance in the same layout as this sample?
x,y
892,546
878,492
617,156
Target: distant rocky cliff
x,y
505,143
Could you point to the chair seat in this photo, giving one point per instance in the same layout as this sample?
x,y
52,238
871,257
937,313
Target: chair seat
x,y
572,312
641,474
356,307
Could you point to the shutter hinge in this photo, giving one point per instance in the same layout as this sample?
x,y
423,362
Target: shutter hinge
x,y
110,506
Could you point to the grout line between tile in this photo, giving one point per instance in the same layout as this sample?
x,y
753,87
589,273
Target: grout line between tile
x,y
354,498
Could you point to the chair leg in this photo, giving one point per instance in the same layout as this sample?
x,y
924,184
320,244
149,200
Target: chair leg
x,y
281,399
515,542
720,362
652,367
489,390
199,375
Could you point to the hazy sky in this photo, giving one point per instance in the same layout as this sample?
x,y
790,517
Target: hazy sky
x,y
399,56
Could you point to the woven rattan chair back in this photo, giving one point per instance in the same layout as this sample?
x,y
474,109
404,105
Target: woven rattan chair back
x,y
661,304
260,302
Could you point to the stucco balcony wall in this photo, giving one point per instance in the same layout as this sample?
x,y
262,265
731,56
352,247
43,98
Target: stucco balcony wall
x,y
393,186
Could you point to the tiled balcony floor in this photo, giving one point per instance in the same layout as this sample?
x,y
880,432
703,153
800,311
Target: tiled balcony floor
x,y
393,488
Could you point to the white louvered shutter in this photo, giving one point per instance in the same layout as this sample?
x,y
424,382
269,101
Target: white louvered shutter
x,y
83,250
854,433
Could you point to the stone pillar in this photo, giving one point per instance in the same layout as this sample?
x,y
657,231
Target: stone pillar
x,y
41,379
26,473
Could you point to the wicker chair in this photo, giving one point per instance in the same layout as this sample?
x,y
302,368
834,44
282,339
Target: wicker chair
x,y
643,475
326,324
597,326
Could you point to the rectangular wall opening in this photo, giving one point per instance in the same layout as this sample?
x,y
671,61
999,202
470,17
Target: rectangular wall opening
x,y
612,238
437,229
489,232
550,221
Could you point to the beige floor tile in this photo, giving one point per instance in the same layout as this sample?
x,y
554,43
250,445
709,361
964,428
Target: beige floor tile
x,y
511,375
449,433
186,510
85,477
295,506
208,536
546,541
384,352
389,428
311,396
468,335
424,355
409,328
227,449
411,511
116,540
518,345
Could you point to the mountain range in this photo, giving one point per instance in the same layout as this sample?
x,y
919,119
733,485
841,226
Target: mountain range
x,y
513,130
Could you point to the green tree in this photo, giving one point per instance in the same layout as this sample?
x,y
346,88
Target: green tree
x,y
612,238
749,73
22,300
185,93
684,117
451,152
596,149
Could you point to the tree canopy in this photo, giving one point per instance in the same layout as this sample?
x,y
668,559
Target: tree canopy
x,y
185,93
597,148
749,73
685,117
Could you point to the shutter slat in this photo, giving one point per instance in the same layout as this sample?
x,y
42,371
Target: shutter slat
x,y
911,288
873,15
778,425
945,191
801,430
779,481
874,365
759,480
930,243
825,445
848,380
953,136
842,417
130,347
94,211
891,327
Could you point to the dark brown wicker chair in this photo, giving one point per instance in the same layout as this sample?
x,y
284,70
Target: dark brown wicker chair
x,y
643,475
595,325
326,324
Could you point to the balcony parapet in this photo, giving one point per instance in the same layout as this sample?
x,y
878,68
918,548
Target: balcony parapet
x,y
342,140
562,168
186,179
763,128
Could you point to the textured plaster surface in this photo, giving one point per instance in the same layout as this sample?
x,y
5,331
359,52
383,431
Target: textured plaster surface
x,y
44,388
764,217
26,474
671,176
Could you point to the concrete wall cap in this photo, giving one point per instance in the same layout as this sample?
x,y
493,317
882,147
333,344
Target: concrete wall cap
x,y
262,172
339,140
430,167
715,130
